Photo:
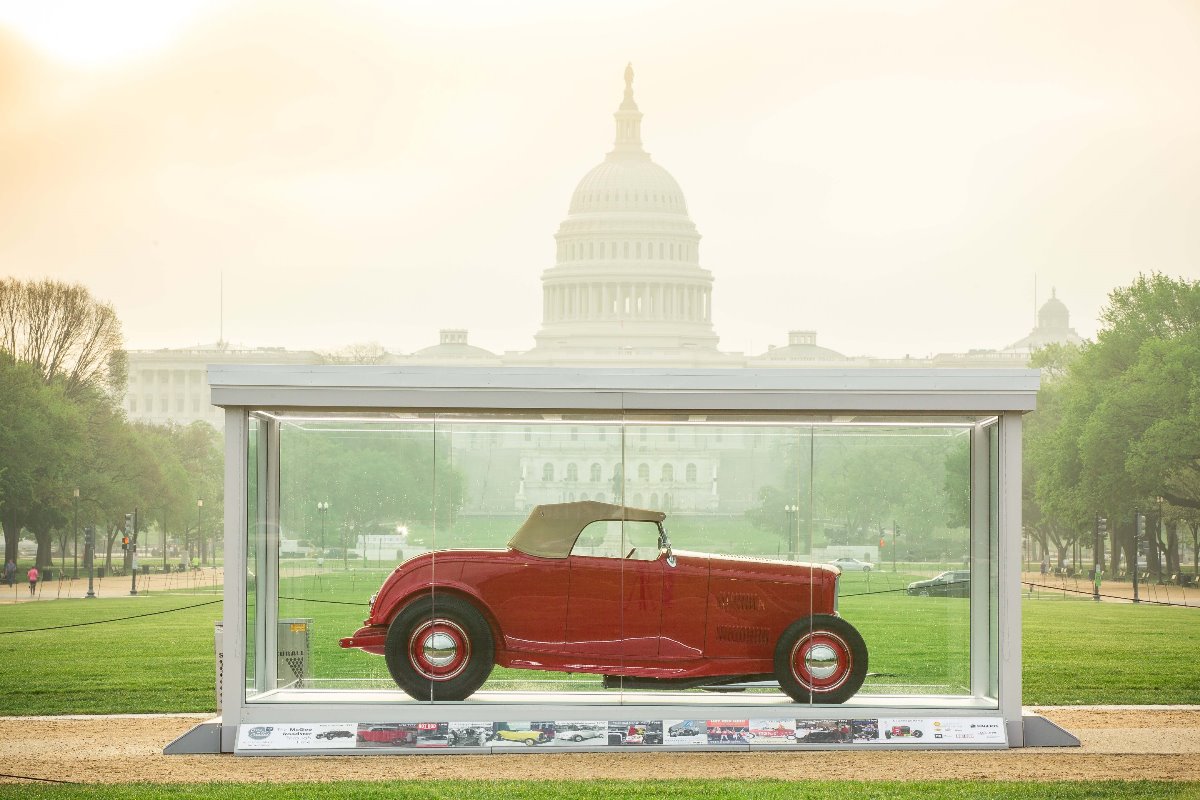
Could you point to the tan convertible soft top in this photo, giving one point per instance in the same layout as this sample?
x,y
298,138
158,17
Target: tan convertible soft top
x,y
551,530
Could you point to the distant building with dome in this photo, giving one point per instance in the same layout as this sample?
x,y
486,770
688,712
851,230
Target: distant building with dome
x,y
627,289
1053,327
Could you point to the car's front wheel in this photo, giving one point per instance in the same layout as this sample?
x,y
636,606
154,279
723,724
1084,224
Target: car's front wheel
x,y
439,648
821,659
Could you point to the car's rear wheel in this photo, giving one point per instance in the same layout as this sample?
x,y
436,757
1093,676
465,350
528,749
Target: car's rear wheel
x,y
821,659
439,647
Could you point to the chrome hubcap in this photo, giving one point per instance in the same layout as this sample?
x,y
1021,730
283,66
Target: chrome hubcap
x,y
821,660
440,649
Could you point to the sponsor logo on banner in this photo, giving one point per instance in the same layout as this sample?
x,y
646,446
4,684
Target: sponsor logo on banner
x,y
316,736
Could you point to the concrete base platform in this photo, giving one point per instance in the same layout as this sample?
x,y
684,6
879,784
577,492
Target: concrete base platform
x,y
1038,731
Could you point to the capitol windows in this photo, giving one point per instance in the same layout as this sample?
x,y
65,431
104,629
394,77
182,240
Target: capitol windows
x,y
133,405
654,500
638,254
548,472
668,473
690,473
643,472
595,473
572,472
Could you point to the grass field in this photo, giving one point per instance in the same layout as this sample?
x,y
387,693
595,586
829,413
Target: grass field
x,y
606,790
1076,652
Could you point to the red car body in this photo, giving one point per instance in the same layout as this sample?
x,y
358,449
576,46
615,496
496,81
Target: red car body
x,y
386,735
665,617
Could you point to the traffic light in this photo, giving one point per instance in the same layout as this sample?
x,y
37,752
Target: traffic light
x,y
89,536
1102,526
124,542
128,537
1141,524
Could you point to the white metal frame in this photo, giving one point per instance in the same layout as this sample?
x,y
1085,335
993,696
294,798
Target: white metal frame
x,y
1005,394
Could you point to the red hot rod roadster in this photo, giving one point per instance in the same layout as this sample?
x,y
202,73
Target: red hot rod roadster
x,y
597,588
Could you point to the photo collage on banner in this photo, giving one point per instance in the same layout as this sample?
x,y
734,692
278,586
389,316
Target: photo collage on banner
x,y
623,733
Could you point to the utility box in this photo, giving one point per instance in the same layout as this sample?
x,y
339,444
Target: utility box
x,y
293,648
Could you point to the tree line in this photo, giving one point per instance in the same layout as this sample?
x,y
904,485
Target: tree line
x,y
68,456
1117,432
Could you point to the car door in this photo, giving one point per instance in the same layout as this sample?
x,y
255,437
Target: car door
x,y
614,607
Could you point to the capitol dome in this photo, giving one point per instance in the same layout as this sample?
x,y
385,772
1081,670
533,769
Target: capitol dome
x,y
627,280
628,184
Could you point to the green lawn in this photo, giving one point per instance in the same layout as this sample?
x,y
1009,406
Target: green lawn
x,y
607,789
1075,651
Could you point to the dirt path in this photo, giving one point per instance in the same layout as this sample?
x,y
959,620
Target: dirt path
x,y
206,579
1118,744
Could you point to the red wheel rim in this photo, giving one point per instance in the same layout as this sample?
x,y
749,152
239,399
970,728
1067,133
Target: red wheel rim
x,y
821,661
439,649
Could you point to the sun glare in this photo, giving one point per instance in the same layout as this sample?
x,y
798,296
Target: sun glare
x,y
84,33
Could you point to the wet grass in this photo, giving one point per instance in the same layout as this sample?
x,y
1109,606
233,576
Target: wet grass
x,y
161,658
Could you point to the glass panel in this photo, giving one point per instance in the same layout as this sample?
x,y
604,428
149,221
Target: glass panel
x,y
671,553
892,503
994,560
253,508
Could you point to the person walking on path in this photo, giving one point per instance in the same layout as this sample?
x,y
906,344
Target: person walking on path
x,y
33,579
10,573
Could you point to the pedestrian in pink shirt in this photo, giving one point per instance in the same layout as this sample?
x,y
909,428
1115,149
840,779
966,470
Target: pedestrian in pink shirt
x,y
33,578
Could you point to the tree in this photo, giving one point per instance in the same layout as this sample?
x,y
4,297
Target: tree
x,y
361,353
39,441
1125,424
63,332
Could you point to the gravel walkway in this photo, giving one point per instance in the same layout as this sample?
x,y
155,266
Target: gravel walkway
x,y
1119,743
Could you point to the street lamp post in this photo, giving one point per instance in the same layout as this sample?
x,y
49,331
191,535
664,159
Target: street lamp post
x,y
894,529
790,511
1158,528
75,538
199,530
322,509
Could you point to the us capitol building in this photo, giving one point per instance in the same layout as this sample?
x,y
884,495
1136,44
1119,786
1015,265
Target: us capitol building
x,y
627,289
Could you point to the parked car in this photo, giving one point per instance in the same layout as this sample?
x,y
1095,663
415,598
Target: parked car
x,y
335,735
823,735
528,737
851,565
955,583
689,727
548,602
388,735
576,732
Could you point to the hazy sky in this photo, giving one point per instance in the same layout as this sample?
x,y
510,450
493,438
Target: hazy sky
x,y
890,174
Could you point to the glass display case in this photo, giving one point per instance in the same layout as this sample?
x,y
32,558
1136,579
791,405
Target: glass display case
x,y
776,558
